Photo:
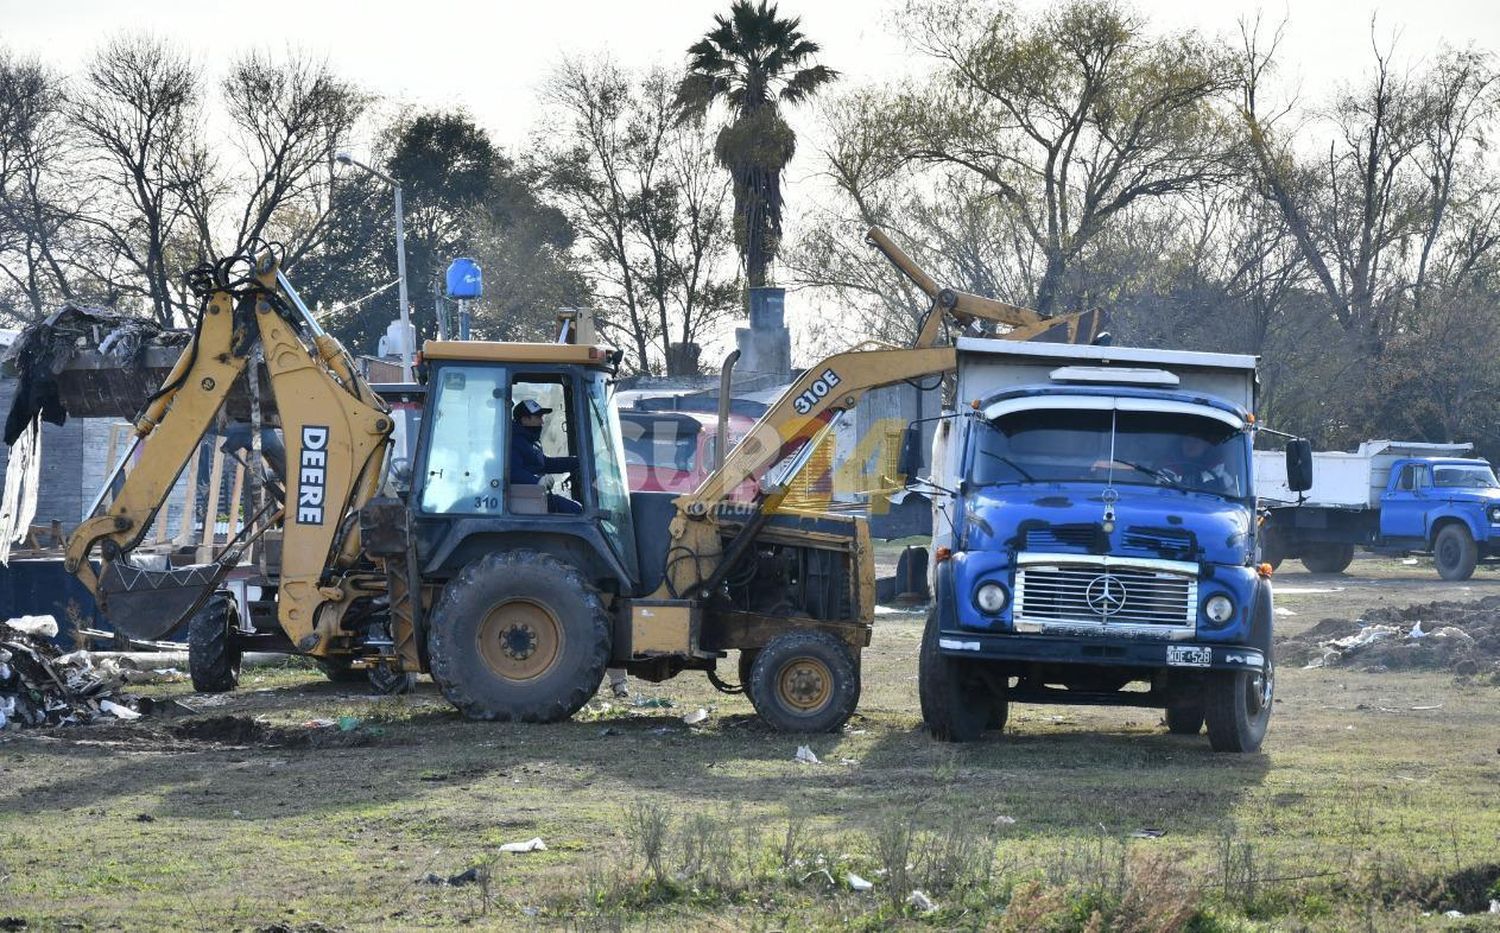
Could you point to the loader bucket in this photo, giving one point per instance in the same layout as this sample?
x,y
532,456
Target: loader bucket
x,y
147,604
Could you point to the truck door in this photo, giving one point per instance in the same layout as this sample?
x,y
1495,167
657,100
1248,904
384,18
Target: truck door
x,y
1403,507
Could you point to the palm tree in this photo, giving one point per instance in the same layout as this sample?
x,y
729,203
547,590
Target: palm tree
x,y
753,60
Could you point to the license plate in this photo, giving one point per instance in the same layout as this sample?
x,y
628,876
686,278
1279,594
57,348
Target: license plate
x,y
1189,656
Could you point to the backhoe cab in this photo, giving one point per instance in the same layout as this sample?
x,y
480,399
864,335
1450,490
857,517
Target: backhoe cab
x,y
514,575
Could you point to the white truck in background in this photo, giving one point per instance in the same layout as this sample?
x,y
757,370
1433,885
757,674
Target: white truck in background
x,y
1390,497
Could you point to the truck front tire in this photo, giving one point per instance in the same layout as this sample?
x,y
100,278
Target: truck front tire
x,y
519,636
1455,553
1238,708
804,681
1328,558
957,704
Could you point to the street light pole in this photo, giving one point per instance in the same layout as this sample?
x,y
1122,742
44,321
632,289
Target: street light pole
x,y
407,374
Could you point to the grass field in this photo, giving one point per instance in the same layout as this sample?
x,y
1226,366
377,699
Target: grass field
x,y
1361,812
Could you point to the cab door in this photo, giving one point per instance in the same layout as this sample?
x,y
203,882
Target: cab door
x,y
1404,507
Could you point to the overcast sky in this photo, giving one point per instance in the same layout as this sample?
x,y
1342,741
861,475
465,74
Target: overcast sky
x,y
490,56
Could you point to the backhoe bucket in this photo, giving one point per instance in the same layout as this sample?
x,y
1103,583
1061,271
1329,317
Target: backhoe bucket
x,y
147,604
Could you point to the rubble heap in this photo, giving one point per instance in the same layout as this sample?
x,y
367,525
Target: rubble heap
x,y
40,686
1463,638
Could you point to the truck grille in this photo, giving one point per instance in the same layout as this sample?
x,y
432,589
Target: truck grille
x,y
1104,593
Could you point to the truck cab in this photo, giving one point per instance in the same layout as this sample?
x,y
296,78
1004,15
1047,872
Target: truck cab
x,y
1099,533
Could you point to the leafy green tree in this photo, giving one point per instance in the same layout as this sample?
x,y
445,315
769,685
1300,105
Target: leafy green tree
x,y
753,60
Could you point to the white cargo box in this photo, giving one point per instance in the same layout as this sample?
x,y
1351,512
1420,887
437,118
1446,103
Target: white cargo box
x,y
987,366
1345,480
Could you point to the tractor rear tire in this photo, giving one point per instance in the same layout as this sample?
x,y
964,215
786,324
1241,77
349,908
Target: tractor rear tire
x,y
341,673
957,704
1186,719
804,681
1455,553
1328,558
213,656
519,636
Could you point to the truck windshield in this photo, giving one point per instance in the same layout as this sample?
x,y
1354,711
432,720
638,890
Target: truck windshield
x,y
1464,476
1149,448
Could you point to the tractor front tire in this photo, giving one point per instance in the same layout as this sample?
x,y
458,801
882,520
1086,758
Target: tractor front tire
x,y
213,656
957,704
804,681
519,636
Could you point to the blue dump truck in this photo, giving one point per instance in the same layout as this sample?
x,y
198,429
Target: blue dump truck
x,y
1095,540
1390,497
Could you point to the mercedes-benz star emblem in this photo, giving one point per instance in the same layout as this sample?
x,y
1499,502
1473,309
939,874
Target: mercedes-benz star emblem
x,y
1105,595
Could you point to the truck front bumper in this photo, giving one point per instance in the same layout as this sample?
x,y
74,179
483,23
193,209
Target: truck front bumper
x,y
1109,652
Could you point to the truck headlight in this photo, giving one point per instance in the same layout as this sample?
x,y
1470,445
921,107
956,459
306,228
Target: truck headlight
x,y
1219,608
1495,514
991,597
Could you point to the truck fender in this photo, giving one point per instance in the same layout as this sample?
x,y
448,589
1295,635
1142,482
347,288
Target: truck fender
x,y
1450,515
1262,615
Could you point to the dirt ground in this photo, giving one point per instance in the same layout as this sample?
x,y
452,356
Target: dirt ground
x,y
296,804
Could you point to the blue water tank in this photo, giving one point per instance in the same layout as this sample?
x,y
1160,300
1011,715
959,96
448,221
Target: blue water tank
x,y
464,279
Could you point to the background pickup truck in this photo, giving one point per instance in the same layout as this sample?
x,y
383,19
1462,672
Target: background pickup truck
x,y
1390,497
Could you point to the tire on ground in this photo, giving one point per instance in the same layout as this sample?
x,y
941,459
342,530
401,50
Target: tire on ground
x,y
340,672
213,657
519,636
804,681
1238,708
957,705
1455,552
1328,558
1185,719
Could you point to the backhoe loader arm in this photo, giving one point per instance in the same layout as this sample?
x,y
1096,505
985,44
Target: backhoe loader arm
x,y
335,430
796,422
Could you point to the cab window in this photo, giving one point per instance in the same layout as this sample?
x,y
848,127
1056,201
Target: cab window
x,y
465,466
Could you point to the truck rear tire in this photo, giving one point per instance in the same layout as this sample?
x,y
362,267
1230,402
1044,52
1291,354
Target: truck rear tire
x,y
1186,719
519,636
804,681
1238,708
1455,553
213,656
1328,558
956,702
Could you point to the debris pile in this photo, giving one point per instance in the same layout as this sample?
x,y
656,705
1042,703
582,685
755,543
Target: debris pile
x,y
39,686
1463,638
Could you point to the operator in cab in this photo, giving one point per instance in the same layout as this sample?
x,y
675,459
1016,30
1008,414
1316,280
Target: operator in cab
x,y
529,463
1198,464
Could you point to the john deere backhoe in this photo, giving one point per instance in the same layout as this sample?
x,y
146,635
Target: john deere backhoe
x,y
513,607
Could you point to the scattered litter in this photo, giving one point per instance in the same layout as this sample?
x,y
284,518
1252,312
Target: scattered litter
x,y
608,731
806,756
1453,913
1422,709
1148,833
530,845
468,876
819,871
320,723
1409,561
696,716
1495,907
1461,637
848,761
652,703
35,626
531,911
118,711
348,723
921,902
856,883
40,686
1005,820
1284,611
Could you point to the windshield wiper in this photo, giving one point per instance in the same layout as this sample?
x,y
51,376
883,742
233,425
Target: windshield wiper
x,y
1161,476
1012,464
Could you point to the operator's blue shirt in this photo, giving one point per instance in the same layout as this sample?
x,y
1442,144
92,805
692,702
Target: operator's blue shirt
x,y
528,464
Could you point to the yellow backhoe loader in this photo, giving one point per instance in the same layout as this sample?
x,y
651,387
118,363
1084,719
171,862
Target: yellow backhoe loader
x,y
514,598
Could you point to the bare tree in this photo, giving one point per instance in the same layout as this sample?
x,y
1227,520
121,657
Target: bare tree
x,y
290,116
137,106
35,210
652,212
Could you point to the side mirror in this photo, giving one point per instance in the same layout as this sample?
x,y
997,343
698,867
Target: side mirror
x,y
1299,465
913,455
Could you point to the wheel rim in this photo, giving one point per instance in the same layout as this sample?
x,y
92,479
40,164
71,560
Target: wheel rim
x,y
520,639
1448,553
1259,688
805,684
